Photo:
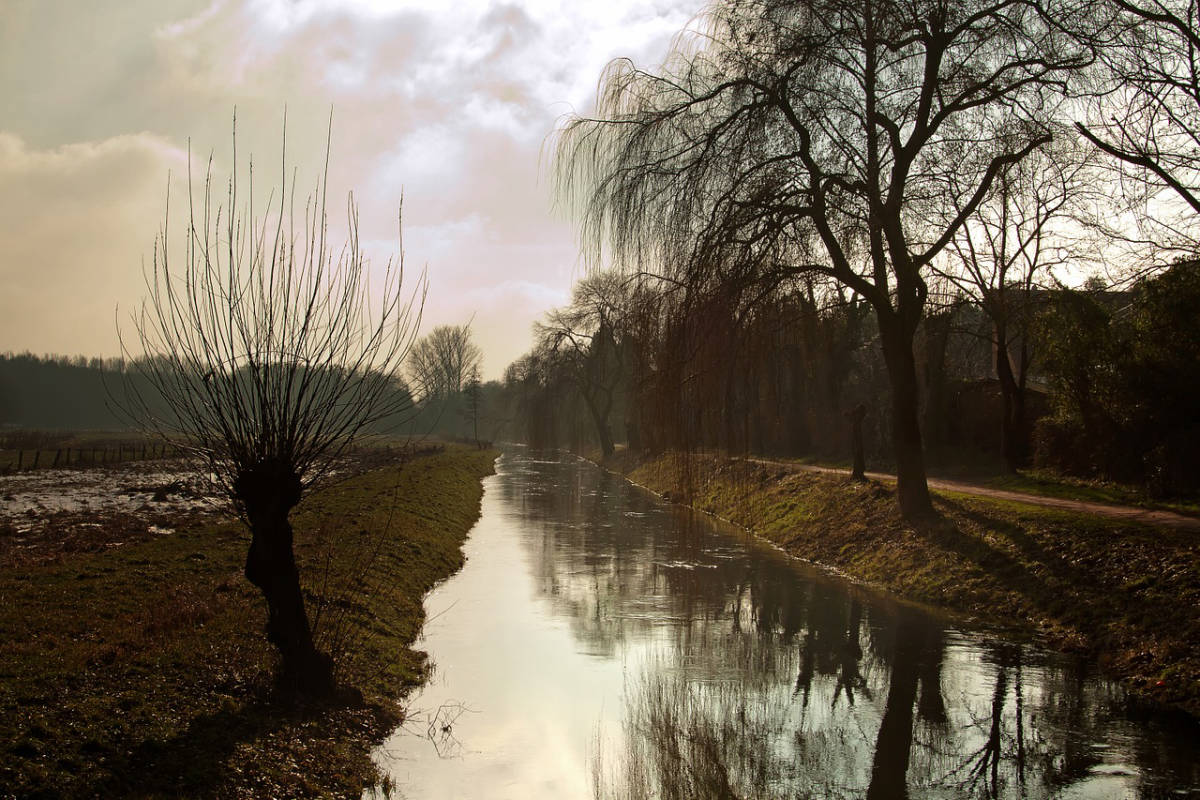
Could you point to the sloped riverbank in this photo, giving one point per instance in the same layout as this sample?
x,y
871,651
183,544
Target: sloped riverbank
x,y
1127,593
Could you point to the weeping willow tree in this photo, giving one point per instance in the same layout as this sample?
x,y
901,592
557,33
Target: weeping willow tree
x,y
266,353
784,139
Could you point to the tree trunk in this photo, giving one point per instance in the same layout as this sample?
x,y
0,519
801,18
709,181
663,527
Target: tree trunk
x,y
633,434
1012,398
911,486
1022,435
729,415
856,416
268,493
936,339
754,417
603,433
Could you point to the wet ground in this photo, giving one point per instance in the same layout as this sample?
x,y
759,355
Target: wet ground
x,y
46,513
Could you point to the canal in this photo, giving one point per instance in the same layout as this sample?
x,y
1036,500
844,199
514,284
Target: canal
x,y
601,643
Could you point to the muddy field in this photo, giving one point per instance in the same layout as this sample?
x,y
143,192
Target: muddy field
x,y
132,648
47,513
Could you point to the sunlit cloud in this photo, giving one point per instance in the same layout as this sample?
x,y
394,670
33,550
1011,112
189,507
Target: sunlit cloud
x,y
67,237
447,106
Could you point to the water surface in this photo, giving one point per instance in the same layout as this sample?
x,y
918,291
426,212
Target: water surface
x,y
599,643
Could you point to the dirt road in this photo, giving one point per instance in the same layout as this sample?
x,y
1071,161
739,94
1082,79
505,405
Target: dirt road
x,y
1145,516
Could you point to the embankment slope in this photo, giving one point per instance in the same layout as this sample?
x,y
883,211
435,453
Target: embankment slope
x,y
1127,593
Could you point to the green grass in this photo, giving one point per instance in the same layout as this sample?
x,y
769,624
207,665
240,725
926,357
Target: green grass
x,y
1046,484
1127,593
988,473
142,668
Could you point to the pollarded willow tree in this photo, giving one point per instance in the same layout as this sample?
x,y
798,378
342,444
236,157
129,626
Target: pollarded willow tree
x,y
817,137
267,354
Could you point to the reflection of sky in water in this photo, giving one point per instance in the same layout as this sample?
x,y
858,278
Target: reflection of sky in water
x,y
589,614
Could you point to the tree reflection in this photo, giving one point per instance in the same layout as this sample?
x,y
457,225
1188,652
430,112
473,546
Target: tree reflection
x,y
893,744
849,677
767,679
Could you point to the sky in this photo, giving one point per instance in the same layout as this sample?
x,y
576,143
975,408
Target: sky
x,y
447,106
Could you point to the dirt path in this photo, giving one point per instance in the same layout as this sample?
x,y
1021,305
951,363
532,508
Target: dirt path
x,y
1145,516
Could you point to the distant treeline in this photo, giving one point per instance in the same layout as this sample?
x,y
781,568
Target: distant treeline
x,y
58,392
661,370
76,393
1102,383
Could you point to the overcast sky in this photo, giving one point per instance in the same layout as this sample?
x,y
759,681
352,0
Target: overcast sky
x,y
449,103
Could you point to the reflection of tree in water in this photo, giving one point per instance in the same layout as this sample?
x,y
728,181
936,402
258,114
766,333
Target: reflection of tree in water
x,y
690,738
770,682
688,741
597,551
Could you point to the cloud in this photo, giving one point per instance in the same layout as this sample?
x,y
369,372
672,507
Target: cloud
x,y
75,222
445,104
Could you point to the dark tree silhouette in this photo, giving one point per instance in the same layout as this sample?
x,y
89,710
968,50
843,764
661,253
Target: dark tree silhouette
x,y
1148,117
816,137
441,363
584,337
1004,254
1124,374
856,416
271,357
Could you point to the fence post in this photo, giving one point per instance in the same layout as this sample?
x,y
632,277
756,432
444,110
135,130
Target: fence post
x,y
57,456
20,459
37,454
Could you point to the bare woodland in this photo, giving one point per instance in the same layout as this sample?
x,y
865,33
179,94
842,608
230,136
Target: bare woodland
x,y
815,205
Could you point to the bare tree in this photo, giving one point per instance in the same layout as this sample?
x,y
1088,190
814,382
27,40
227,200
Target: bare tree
x,y
271,357
1008,249
1148,116
473,389
441,362
816,137
584,337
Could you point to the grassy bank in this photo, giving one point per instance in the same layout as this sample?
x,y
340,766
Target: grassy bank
x,y
957,465
136,664
1127,593
1092,491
